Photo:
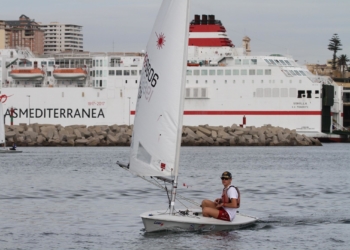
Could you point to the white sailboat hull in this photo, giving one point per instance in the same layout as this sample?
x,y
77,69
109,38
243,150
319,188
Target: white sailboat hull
x,y
161,221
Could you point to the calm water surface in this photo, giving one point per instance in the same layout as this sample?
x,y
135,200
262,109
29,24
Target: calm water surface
x,y
77,198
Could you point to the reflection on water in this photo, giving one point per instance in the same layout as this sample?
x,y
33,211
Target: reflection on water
x,y
60,198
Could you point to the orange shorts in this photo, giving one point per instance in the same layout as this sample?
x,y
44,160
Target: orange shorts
x,y
223,215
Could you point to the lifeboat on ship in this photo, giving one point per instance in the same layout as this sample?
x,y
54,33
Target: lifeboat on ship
x,y
27,74
70,74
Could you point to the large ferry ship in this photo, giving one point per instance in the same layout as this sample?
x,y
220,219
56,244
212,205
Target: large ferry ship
x,y
225,85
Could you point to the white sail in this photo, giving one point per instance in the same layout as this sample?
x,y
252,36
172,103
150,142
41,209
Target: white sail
x,y
159,109
2,126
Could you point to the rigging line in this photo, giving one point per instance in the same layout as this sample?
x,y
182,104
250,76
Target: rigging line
x,y
157,184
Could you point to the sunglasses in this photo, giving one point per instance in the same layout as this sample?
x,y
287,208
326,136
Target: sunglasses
x,y
225,178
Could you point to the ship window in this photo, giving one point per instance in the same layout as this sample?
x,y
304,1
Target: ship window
x,y
235,72
93,73
189,72
268,62
195,92
259,72
203,92
227,72
126,81
212,72
101,63
243,81
134,72
188,92
290,81
220,72
267,71
140,72
281,61
275,92
292,72
254,61
43,63
111,72
317,91
118,72
214,81
238,61
93,63
135,81
292,92
267,92
234,81
206,81
196,72
196,81
252,72
243,72
297,72
299,81
301,93
262,81
272,62
126,72
100,73
281,81
302,72
308,92
284,92
245,61
100,83
260,92
204,72
225,81
187,81
48,73
288,63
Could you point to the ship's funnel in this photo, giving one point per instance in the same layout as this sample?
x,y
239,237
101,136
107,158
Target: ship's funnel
x,y
197,19
211,19
204,19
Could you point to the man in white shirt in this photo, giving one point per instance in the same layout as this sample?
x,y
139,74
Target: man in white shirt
x,y
223,208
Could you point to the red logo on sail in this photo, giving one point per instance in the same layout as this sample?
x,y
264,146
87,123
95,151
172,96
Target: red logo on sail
x,y
3,98
160,40
162,166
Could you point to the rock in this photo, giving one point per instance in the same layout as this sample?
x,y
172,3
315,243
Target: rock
x,y
239,132
31,134
10,134
77,133
205,131
222,133
81,142
190,133
94,141
40,139
214,134
112,139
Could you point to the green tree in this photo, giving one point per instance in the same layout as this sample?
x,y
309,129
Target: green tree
x,y
334,45
342,63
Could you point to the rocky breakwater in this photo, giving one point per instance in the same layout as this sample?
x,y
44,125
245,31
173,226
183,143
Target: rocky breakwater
x,y
120,135
249,136
75,135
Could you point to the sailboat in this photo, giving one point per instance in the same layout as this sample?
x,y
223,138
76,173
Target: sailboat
x,y
4,150
156,140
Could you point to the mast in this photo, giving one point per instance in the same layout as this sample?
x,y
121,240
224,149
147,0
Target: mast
x,y
181,111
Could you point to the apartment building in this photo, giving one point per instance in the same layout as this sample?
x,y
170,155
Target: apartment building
x,y
62,37
24,32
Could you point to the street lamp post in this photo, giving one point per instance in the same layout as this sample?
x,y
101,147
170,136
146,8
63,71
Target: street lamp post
x,y
29,108
129,110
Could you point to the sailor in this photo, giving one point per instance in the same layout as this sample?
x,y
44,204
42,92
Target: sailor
x,y
223,208
13,147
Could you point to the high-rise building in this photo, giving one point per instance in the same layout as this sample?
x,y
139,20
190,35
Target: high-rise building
x,y
62,37
24,32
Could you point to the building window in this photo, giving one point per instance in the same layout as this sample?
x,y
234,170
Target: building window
x,y
126,72
111,72
118,72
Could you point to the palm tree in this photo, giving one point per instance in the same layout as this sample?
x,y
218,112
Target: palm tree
x,y
334,45
342,63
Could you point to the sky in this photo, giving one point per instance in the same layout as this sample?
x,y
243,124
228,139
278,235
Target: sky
x,y
300,28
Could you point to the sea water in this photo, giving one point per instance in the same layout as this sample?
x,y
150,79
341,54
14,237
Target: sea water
x,y
78,198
